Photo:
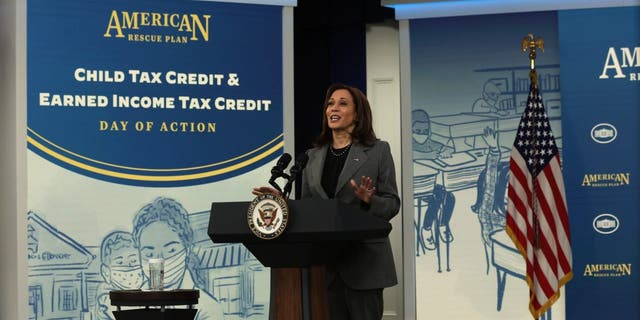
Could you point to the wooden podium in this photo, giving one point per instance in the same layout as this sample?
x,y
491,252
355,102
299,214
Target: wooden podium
x,y
317,233
154,304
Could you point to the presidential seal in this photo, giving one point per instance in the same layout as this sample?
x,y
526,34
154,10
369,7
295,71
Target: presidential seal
x,y
267,216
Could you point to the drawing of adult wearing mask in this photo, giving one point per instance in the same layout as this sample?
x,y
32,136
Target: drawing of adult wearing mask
x,y
120,268
161,229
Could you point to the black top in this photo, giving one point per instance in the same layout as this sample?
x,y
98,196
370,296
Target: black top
x,y
333,164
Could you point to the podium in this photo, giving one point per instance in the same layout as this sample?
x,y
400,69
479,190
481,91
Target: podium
x,y
318,232
155,304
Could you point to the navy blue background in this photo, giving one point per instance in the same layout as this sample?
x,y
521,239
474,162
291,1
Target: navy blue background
x,y
243,39
585,38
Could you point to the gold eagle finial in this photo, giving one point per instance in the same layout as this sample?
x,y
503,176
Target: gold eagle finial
x,y
531,43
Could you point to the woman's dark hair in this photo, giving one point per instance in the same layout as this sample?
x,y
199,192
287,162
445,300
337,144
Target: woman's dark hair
x,y
363,131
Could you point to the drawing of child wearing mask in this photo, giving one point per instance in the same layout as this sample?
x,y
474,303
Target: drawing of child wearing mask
x,y
161,229
120,268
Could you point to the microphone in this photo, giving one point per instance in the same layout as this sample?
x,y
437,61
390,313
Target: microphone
x,y
278,170
294,172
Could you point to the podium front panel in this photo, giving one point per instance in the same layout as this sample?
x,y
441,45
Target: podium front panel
x,y
317,231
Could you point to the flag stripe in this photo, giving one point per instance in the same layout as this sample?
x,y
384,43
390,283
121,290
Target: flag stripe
x,y
561,223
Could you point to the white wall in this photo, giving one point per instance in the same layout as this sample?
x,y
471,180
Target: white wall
x,y
13,262
383,91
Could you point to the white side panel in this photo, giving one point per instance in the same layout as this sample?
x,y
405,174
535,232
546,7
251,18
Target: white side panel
x,y
13,263
383,91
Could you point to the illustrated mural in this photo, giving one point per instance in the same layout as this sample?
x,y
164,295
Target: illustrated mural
x,y
72,281
468,92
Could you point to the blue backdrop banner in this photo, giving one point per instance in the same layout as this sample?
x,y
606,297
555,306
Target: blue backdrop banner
x,y
600,67
149,93
141,114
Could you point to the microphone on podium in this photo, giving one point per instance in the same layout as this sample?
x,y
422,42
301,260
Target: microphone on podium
x,y
294,172
278,170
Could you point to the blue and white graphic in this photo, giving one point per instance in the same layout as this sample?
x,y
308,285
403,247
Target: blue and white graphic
x,y
469,87
140,115
132,78
606,223
604,133
58,268
600,64
79,277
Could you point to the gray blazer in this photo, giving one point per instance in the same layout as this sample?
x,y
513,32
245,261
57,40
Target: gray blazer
x,y
369,264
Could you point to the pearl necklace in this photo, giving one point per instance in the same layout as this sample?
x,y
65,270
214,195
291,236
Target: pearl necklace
x,y
345,150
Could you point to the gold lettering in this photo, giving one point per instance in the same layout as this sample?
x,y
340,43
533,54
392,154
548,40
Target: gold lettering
x,y
624,178
144,19
204,30
175,23
196,25
155,19
625,269
586,181
185,24
130,22
114,23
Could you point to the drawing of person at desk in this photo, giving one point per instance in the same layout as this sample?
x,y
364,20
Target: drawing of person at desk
x,y
439,200
490,101
461,167
491,186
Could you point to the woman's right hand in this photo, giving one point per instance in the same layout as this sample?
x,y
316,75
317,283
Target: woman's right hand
x,y
264,190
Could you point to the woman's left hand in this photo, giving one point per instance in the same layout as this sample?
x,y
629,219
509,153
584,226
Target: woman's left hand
x,y
365,190
258,191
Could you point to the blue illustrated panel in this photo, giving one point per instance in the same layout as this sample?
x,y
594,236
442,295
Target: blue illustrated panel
x,y
155,93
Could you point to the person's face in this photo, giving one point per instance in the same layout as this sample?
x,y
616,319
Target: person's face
x,y
421,131
341,111
491,94
125,257
158,240
124,269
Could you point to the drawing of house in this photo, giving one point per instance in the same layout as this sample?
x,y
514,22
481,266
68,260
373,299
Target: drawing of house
x,y
57,272
234,276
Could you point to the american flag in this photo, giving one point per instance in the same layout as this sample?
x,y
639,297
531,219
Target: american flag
x,y
537,219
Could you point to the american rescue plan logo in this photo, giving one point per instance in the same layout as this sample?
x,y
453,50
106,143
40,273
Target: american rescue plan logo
x,y
162,27
607,270
267,216
606,180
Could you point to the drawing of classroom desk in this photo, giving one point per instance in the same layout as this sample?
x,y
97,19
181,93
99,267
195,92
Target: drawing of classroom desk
x,y
157,305
458,172
424,182
508,261
461,131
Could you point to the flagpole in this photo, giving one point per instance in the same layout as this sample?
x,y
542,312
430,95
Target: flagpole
x,y
531,43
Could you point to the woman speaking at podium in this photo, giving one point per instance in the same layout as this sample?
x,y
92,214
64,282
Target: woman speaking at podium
x,y
350,164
